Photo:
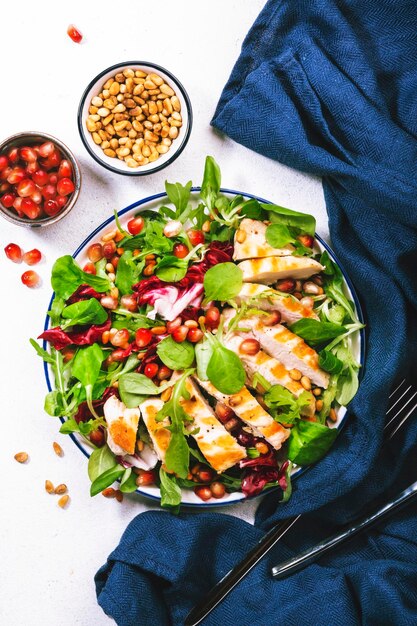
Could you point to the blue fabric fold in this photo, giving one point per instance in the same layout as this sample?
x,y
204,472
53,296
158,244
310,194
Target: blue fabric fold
x,y
330,89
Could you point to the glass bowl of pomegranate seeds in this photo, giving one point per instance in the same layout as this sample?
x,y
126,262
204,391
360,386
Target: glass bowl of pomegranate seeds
x,y
39,179
135,118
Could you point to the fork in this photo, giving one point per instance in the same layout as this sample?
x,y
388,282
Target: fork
x,y
402,403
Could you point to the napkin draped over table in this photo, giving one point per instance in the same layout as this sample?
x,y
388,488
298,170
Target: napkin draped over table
x,y
329,88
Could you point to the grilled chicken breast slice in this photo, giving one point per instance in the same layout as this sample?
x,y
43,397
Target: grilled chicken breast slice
x,y
271,369
122,426
287,347
255,244
271,269
158,431
217,445
248,409
267,299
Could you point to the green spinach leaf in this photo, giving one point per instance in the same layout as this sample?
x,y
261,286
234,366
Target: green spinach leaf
x,y
128,482
106,479
86,368
127,273
225,370
84,312
210,186
315,332
222,282
329,362
309,442
67,276
203,354
278,235
170,491
280,215
170,269
134,389
176,356
101,460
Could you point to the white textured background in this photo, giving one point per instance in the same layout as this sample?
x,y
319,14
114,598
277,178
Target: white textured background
x,y
48,556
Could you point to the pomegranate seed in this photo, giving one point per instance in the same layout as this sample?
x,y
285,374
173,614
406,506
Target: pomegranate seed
x,y
204,493
53,178
30,209
26,188
151,370
115,261
171,326
212,317
97,438
306,240
180,250
61,201
13,252
49,192
195,236
95,252
217,489
4,174
89,268
287,285
53,160
40,177
65,186
273,318
30,279
118,355
31,168
16,175
51,207
68,353
135,225
180,334
8,199
223,412
74,33
65,169
205,475
145,477
17,204
4,187
109,302
28,154
250,346
143,337
13,155
4,162
36,196
120,339
46,149
164,372
129,303
194,335
109,248
32,257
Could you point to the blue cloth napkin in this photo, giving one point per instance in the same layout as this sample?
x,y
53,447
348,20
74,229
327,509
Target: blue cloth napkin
x,y
331,89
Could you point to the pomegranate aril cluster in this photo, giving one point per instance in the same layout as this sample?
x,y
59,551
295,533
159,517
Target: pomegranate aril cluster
x,y
35,180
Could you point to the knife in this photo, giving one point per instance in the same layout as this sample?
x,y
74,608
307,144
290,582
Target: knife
x,y
237,573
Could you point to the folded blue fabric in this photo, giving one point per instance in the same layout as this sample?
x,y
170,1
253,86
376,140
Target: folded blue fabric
x,y
331,89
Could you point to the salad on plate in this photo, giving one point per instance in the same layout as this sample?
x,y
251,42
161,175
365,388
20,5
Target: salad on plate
x,y
205,350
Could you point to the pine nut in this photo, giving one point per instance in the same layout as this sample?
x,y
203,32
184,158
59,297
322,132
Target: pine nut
x,y
166,394
319,405
332,415
306,382
295,374
261,447
21,457
57,449
317,391
61,489
49,488
240,236
235,400
63,501
312,288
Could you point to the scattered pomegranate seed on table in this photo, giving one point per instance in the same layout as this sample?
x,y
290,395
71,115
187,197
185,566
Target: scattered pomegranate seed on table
x,y
31,279
32,257
13,252
74,34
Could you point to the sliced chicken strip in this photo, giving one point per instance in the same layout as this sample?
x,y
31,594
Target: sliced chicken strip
x,y
217,445
158,431
122,426
271,369
271,269
287,347
251,412
255,245
267,299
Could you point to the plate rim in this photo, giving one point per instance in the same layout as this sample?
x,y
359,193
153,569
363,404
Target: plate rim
x,y
325,245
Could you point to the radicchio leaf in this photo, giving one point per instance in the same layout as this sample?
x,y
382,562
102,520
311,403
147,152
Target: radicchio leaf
x,y
85,336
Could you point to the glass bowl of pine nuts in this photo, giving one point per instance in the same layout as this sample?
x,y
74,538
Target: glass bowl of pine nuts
x,y
135,118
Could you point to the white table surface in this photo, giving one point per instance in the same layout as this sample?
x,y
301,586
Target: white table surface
x,y
48,556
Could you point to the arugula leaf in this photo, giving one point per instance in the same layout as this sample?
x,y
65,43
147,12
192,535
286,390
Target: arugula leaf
x,y
280,215
203,354
210,186
106,479
84,312
177,457
67,276
225,370
180,197
315,332
127,273
176,356
170,269
347,386
56,310
333,285
278,235
48,358
170,491
329,362
278,396
101,460
222,282
134,389
309,442
86,368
